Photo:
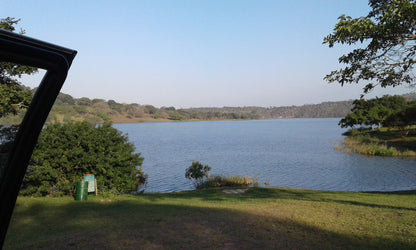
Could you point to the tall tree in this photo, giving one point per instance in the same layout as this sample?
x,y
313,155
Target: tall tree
x,y
373,112
388,34
13,96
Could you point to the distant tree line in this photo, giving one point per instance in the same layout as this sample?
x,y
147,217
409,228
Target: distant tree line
x,y
98,111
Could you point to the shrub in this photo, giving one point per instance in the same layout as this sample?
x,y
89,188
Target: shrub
x,y
196,173
65,153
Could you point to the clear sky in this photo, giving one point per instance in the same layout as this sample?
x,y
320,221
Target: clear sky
x,y
210,53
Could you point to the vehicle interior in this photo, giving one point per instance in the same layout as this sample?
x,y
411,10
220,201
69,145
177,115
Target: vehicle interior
x,y
56,60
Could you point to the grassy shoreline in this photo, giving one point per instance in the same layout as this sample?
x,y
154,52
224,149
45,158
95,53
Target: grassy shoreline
x,y
260,218
392,142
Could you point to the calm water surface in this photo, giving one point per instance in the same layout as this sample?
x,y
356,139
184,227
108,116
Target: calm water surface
x,y
294,153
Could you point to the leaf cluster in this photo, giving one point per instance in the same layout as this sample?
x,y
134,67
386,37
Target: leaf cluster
x,y
406,117
376,111
196,173
13,96
14,99
389,35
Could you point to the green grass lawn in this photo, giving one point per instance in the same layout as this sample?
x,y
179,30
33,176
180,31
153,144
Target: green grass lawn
x,y
262,218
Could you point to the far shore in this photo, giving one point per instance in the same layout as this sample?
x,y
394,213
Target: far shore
x,y
161,120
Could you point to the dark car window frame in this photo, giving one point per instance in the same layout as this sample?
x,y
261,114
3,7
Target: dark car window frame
x,y
56,60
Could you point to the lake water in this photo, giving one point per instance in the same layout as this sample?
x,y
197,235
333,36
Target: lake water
x,y
294,153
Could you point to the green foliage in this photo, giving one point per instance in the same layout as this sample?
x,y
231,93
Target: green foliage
x,y
169,108
99,111
65,153
323,110
150,109
374,112
175,116
104,116
80,109
13,99
196,173
65,99
406,117
13,96
84,101
9,24
96,100
115,106
389,34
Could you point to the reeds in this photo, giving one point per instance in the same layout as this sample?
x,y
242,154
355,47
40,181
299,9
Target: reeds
x,y
366,145
229,181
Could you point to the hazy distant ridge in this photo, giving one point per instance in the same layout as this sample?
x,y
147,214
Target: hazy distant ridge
x,y
68,109
322,110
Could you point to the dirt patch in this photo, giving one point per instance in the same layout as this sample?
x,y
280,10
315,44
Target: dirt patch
x,y
234,191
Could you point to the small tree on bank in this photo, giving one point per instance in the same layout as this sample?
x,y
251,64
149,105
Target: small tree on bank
x,y
196,173
374,111
65,153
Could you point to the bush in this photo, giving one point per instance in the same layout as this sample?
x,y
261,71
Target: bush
x,y
196,173
65,153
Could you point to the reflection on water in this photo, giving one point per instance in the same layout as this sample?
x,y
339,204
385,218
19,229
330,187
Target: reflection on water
x,y
295,153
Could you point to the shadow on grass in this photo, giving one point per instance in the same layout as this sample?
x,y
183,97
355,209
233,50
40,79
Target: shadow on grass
x,y
286,194
142,225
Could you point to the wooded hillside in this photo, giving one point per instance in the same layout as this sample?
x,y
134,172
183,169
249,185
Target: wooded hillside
x,y
67,109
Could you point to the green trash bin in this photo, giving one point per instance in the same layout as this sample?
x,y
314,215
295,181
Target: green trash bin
x,y
82,191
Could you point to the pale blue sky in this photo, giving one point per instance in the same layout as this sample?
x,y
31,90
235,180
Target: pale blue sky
x,y
196,53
